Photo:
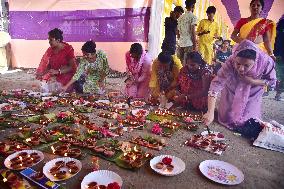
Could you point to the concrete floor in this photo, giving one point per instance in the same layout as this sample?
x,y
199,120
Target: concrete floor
x,y
263,169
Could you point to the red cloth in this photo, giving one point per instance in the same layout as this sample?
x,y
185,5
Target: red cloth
x,y
243,21
56,61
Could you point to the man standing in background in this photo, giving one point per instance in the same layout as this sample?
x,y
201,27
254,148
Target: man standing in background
x,y
169,43
207,31
186,31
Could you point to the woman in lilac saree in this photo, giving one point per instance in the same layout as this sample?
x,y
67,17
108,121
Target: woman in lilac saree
x,y
241,81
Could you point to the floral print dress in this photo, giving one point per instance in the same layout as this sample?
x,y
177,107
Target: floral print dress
x,y
92,72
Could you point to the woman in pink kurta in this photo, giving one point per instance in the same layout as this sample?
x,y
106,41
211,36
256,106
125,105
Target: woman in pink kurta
x,y
241,81
138,65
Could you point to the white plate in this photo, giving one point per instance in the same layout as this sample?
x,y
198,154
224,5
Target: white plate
x,y
7,162
78,103
179,165
49,98
63,94
135,111
137,106
103,101
221,172
51,163
38,94
216,138
119,106
102,177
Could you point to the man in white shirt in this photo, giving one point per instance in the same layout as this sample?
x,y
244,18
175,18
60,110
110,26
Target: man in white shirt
x,y
186,31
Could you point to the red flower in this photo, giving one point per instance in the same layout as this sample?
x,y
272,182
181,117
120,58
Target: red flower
x,y
156,129
167,160
113,185
62,115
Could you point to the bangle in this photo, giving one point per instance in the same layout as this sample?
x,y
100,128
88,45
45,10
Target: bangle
x,y
186,97
59,71
271,54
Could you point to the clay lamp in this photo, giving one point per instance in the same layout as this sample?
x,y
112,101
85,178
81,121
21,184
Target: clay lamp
x,y
28,162
36,158
59,164
91,145
99,149
102,187
74,152
25,128
109,153
16,160
23,154
136,163
33,141
169,168
60,174
70,164
21,147
92,185
17,165
76,143
34,154
54,170
61,150
74,169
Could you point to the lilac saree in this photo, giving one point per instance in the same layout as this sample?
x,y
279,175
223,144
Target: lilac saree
x,y
241,101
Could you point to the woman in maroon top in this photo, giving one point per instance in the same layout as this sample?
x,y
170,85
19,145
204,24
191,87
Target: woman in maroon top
x,y
58,62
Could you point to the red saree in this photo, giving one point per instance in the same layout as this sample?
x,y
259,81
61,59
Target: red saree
x,y
56,61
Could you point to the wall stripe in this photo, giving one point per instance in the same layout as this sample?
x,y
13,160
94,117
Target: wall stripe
x,y
102,25
233,10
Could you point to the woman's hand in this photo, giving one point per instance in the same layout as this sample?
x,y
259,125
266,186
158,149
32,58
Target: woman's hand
x,y
53,72
208,118
179,98
64,88
253,81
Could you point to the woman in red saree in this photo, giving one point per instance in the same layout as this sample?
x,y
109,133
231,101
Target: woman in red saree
x,y
259,30
58,62
194,82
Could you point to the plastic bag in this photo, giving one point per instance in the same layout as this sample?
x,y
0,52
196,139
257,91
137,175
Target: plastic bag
x,y
51,86
271,137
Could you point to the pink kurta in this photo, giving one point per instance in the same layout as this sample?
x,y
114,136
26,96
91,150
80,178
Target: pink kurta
x,y
141,71
241,101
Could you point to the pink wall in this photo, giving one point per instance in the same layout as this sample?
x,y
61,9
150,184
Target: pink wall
x,y
28,53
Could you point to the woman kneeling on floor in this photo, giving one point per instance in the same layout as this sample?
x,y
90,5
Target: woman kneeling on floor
x,y
58,62
164,75
193,83
92,70
241,79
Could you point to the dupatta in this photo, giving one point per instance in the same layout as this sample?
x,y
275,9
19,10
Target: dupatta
x,y
242,92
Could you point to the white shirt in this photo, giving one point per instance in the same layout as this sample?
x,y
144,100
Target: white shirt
x,y
185,22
